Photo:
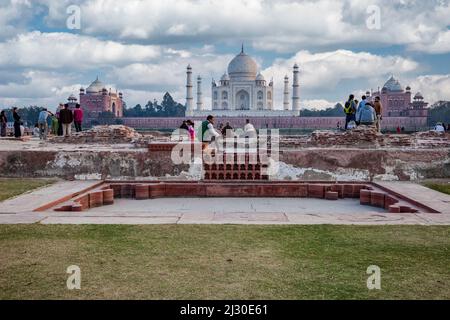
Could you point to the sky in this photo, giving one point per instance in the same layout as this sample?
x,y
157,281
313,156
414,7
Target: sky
x,y
51,48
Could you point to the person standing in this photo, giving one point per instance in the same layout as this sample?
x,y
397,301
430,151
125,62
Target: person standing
x,y
43,124
66,119
350,111
191,130
78,117
17,123
3,123
60,127
379,112
208,133
55,124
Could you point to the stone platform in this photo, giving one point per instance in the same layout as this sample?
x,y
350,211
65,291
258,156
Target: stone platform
x,y
220,210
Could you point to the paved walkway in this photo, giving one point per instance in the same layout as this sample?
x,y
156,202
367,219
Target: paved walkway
x,y
433,199
267,211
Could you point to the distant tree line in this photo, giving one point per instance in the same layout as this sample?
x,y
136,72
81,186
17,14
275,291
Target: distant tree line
x,y
167,108
439,112
336,111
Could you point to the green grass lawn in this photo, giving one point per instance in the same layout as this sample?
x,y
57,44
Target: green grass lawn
x,y
13,187
441,187
224,262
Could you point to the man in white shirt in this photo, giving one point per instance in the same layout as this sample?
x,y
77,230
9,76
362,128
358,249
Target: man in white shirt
x,y
249,130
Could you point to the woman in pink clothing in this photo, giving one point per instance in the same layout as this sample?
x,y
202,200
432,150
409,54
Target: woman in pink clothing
x,y
78,117
191,130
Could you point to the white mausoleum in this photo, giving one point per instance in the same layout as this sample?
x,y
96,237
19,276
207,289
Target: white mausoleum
x,y
242,91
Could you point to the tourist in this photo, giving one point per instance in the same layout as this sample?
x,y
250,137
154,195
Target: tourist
x,y
249,130
78,117
360,106
379,112
227,131
184,125
55,125
66,119
399,130
36,131
3,123
208,133
60,126
367,115
350,110
191,130
439,127
43,123
17,123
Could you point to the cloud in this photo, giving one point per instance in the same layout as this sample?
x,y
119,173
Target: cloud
x,y
70,51
281,26
433,87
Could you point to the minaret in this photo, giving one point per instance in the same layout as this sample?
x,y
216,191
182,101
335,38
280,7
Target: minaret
x,y
189,94
286,93
199,94
296,90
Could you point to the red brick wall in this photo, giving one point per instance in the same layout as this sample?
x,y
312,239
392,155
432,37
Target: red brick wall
x,y
412,123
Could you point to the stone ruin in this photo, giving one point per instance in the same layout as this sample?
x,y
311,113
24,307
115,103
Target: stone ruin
x,y
113,134
367,137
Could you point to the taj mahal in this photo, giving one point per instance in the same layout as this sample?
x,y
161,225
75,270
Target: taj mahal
x,y
243,91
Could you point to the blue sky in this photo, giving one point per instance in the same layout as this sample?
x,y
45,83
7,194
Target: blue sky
x,y
143,47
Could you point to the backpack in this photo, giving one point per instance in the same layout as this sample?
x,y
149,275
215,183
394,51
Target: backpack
x,y
348,109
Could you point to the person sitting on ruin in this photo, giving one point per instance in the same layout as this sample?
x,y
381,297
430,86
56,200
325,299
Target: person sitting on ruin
x,y
367,115
360,106
184,125
36,131
227,131
249,130
439,127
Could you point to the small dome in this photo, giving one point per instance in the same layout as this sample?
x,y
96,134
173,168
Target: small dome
x,y
225,77
418,96
393,85
408,88
72,98
260,77
243,67
95,87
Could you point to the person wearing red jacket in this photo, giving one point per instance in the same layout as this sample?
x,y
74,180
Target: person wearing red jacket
x,y
78,118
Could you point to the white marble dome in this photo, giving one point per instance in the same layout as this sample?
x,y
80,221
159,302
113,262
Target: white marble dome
x,y
243,67
95,87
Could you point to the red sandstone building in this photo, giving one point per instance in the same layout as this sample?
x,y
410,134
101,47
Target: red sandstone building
x,y
397,101
97,99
